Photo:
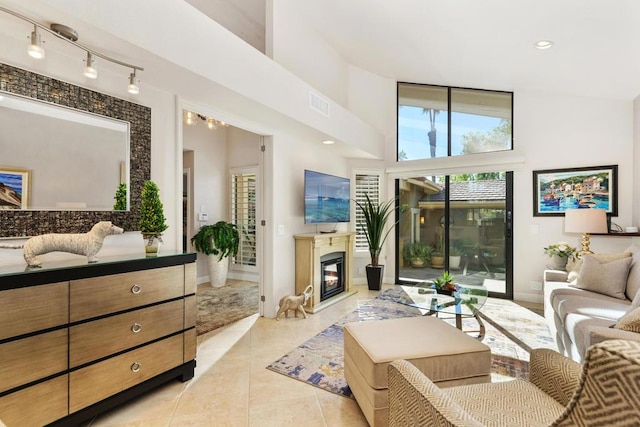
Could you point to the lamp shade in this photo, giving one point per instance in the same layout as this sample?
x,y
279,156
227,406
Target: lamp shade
x,y
585,221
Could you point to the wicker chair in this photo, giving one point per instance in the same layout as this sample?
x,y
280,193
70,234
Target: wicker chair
x,y
604,391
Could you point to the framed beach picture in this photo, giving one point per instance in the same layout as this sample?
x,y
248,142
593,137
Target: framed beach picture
x,y
14,188
556,190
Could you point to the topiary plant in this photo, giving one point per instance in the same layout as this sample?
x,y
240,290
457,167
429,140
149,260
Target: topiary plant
x,y
221,238
121,198
152,219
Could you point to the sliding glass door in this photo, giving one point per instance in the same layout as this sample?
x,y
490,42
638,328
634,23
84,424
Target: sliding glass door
x,y
458,223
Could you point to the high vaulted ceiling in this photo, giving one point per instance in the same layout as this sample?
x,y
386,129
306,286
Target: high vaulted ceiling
x,y
489,43
485,43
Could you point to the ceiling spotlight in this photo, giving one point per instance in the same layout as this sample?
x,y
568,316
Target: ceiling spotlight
x,y
543,44
328,142
133,87
189,118
89,70
211,123
35,49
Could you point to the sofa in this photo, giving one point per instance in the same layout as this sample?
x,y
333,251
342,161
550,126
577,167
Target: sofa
x,y
593,301
560,392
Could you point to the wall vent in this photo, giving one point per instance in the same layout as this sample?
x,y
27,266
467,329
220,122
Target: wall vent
x,y
319,104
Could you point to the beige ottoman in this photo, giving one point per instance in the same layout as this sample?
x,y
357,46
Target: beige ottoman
x,y
446,355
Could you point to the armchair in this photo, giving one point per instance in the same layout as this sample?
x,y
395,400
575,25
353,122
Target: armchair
x,y
604,391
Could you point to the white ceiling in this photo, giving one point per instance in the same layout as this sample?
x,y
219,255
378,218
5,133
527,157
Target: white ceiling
x,y
488,44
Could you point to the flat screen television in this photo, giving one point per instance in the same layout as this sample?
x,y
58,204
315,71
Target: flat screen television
x,y
326,198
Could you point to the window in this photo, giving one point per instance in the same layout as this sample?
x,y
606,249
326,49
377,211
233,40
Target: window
x,y
366,184
436,121
243,215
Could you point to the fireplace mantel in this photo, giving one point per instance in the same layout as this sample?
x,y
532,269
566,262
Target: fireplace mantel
x,y
309,249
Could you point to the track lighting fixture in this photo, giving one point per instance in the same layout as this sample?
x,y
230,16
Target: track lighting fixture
x,y
133,86
35,49
69,35
89,70
191,118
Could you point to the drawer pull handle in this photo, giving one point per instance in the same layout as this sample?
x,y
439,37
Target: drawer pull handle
x,y
136,289
136,327
135,367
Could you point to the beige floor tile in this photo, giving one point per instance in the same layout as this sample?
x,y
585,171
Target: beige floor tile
x,y
232,386
301,411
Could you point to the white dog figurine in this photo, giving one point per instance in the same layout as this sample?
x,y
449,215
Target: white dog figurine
x,y
294,302
88,244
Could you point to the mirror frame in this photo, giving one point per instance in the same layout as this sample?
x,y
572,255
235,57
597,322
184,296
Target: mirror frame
x,y
18,223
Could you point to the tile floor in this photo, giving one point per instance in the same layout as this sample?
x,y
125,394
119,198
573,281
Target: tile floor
x,y
232,387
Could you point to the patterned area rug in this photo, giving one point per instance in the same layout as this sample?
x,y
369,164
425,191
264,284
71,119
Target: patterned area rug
x,y
218,307
511,332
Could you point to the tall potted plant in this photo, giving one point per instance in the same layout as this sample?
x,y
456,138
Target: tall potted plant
x,y
218,241
152,220
376,216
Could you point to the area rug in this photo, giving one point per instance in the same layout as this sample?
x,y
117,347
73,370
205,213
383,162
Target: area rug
x,y
218,307
511,332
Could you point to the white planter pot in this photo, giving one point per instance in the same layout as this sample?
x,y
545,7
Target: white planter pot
x,y
218,270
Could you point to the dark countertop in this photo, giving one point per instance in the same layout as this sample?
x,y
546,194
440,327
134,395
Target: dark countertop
x,y
18,276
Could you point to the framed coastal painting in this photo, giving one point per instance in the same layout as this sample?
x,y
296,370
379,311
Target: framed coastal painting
x,y
14,188
556,190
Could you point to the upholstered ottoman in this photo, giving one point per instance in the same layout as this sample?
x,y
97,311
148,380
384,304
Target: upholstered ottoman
x,y
446,355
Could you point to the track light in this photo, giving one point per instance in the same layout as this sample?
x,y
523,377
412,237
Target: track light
x,y
211,123
35,48
133,87
89,70
70,36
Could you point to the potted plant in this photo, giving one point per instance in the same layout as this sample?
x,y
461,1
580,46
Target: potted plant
x,y
444,284
376,216
121,198
152,220
455,256
218,241
417,253
437,257
560,254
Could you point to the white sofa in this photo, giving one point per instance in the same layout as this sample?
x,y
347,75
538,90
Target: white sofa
x,y
579,318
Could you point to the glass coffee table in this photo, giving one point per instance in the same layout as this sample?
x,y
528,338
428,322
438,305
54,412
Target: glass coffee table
x,y
465,302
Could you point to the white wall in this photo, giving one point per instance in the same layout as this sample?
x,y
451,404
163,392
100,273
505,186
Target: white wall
x,y
301,50
209,148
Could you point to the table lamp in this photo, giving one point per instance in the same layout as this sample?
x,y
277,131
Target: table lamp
x,y
585,221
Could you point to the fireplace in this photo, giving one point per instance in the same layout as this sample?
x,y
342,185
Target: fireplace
x,y
331,275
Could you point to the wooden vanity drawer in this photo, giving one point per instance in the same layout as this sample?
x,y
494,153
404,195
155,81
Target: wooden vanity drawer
x,y
30,359
107,294
31,309
190,311
190,279
37,405
101,380
100,338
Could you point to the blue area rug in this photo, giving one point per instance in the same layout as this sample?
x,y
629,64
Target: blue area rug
x,y
511,332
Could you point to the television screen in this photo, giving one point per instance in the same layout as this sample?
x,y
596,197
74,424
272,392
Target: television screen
x,y
326,198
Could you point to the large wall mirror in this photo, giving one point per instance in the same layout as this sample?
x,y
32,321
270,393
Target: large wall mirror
x,y
49,153
70,147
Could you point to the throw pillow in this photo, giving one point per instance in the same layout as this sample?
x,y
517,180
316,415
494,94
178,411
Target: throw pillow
x,y
577,265
608,278
630,321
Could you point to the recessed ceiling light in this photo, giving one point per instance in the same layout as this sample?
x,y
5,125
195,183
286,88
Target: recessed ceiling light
x,y
328,142
543,44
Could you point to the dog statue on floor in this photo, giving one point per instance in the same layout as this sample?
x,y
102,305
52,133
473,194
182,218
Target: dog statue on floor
x,y
295,303
88,244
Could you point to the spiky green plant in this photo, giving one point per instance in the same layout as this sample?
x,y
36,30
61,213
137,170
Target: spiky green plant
x,y
121,198
152,219
221,238
376,216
